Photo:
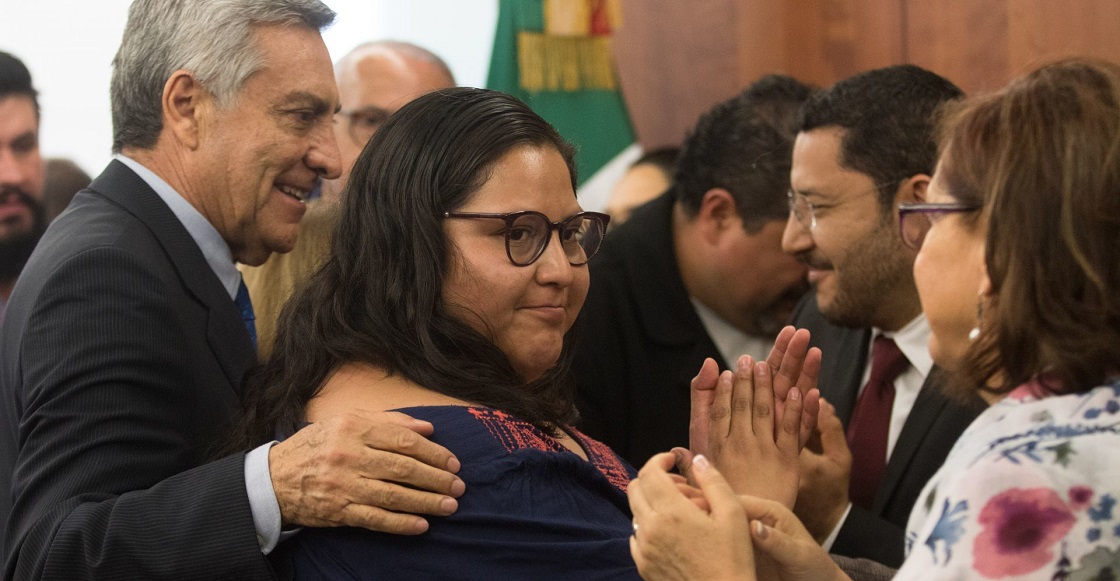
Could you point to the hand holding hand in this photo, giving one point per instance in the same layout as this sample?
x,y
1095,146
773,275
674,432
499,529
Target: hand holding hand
x,y
823,495
674,540
364,469
789,549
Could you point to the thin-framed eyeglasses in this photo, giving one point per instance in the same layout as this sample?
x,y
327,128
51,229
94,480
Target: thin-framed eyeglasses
x,y
528,233
805,212
915,219
362,123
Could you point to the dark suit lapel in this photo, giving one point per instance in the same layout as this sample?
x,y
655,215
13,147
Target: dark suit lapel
x,y
843,355
849,359
927,407
226,333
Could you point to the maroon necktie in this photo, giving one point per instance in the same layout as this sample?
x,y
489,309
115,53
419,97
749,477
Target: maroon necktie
x,y
871,420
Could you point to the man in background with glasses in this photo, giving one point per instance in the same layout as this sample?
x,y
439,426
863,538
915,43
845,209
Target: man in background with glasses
x,y
865,145
696,273
374,80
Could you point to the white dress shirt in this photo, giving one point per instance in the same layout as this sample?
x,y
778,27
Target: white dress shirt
x,y
729,339
913,341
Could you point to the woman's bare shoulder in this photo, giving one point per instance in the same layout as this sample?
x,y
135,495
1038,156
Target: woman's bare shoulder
x,y
360,386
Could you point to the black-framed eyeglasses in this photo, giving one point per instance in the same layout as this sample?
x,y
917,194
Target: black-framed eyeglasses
x,y
362,123
805,212
528,233
915,219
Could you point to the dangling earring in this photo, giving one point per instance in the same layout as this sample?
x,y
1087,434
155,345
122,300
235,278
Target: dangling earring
x,y
974,334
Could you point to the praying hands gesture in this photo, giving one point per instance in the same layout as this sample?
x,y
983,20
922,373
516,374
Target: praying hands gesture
x,y
752,423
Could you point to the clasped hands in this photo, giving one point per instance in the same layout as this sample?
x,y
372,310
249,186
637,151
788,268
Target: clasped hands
x,y
752,423
746,433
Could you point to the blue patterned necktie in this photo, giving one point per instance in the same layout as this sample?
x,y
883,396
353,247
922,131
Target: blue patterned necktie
x,y
246,307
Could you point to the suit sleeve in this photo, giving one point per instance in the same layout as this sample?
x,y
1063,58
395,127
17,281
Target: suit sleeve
x,y
108,482
867,536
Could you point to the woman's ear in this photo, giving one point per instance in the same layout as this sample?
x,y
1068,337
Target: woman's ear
x,y
986,290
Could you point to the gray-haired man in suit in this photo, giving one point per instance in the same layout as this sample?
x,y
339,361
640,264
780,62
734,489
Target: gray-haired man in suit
x,y
127,336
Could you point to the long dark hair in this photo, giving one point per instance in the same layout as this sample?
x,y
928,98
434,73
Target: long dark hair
x,y
1042,158
378,298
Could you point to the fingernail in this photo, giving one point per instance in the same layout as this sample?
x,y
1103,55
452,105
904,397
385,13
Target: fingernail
x,y
458,488
744,362
761,530
448,505
727,377
761,369
453,465
700,463
794,394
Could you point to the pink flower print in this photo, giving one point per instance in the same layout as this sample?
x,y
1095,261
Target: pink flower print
x,y
1080,497
1019,528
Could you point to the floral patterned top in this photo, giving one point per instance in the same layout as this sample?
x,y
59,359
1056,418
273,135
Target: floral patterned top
x,y
1028,492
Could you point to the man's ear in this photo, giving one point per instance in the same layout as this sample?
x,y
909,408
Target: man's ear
x,y
184,102
913,189
717,214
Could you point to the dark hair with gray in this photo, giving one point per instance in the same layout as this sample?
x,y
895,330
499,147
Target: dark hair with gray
x,y
15,79
744,146
210,38
379,297
888,120
406,49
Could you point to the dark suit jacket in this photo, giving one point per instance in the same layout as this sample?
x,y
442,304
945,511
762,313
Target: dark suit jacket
x,y
120,361
931,429
639,341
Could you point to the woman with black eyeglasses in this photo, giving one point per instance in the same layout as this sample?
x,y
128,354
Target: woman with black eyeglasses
x,y
1018,270
458,268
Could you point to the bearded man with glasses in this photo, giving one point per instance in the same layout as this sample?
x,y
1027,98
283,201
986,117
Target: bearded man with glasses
x,y
865,145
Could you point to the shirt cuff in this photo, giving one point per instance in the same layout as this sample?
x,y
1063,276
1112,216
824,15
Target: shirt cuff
x,y
262,498
831,539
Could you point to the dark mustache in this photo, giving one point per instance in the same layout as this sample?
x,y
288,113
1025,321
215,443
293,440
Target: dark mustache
x,y
814,262
8,191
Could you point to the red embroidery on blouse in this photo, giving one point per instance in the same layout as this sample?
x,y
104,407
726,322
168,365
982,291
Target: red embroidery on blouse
x,y
605,460
516,434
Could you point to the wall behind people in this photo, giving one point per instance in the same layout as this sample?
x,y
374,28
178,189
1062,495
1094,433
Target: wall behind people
x,y
676,59
69,46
